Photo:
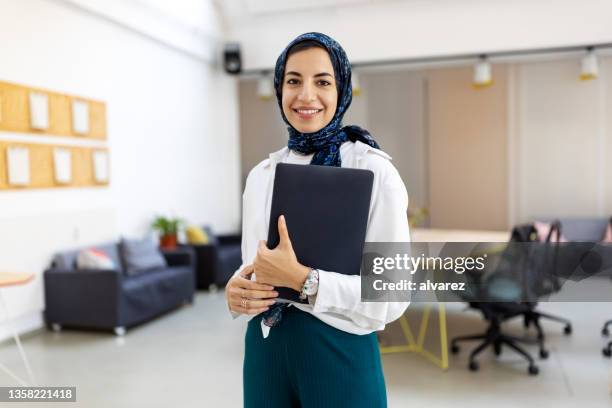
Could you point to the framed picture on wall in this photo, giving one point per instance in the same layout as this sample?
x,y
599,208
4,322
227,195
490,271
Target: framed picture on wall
x,y
39,111
18,165
80,117
62,163
100,164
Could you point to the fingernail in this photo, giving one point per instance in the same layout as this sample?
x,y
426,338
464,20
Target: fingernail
x,y
272,302
275,293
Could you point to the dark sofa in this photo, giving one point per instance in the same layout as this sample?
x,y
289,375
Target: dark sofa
x,y
111,299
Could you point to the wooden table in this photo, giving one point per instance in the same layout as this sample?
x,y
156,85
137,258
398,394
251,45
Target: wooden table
x,y
442,235
438,235
8,279
15,278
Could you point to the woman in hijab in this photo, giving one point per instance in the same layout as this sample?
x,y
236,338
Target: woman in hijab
x,y
323,353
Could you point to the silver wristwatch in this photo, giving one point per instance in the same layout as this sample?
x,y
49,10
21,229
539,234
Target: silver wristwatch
x,y
311,284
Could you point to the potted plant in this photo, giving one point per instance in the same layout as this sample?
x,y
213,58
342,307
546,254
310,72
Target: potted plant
x,y
417,215
168,229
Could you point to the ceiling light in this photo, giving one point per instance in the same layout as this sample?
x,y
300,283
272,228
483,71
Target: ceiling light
x,y
355,84
265,87
590,67
482,73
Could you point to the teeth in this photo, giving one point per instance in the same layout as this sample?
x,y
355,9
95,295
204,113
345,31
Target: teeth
x,y
307,112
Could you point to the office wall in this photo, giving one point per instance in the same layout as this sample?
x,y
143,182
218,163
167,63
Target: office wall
x,y
605,120
172,134
562,137
406,29
397,117
467,150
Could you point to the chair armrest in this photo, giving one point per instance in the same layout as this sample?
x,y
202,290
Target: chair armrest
x,y
77,296
183,256
230,239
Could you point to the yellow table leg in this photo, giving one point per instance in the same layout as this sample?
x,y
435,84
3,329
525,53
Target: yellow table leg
x,y
417,347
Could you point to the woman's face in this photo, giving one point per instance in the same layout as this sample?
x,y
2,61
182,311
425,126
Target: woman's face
x,y
309,90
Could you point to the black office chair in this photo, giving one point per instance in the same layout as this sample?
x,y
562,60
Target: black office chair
x,y
544,285
607,350
524,273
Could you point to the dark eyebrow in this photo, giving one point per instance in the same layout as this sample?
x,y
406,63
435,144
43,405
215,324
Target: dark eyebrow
x,y
320,74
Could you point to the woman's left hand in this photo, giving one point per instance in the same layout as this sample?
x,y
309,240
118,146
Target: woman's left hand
x,y
279,266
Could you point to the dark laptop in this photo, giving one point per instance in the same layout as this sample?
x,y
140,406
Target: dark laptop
x,y
326,209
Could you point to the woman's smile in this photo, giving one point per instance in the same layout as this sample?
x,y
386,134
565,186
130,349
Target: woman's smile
x,y
307,113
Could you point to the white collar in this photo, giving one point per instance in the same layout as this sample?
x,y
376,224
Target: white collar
x,y
360,150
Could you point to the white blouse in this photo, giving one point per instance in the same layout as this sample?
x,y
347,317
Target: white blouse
x,y
338,301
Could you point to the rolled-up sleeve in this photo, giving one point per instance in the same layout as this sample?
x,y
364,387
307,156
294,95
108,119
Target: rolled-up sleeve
x,y
341,294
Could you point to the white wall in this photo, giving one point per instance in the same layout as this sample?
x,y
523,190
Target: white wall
x,y
562,165
416,28
172,134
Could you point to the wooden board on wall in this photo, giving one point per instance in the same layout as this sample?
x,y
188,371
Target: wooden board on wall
x,y
42,171
15,112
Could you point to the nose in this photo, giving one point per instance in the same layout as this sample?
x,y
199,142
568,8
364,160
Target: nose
x,y
307,93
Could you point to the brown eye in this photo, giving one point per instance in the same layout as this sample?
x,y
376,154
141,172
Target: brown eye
x,y
324,82
292,81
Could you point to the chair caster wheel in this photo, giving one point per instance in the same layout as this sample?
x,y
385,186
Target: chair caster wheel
x,y
473,366
607,352
533,370
567,329
605,332
454,349
543,354
497,349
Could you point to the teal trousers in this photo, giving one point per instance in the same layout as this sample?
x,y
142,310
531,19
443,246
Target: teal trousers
x,y
306,363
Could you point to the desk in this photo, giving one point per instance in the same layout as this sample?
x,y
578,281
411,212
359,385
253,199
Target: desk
x,y
8,279
438,235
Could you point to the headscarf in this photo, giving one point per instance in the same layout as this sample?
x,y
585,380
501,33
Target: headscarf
x,y
324,143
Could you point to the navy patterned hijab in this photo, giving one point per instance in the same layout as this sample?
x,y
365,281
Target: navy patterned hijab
x,y
325,143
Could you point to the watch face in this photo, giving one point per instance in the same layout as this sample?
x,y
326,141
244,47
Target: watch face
x,y
311,285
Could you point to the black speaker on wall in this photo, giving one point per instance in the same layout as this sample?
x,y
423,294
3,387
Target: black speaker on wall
x,y
231,58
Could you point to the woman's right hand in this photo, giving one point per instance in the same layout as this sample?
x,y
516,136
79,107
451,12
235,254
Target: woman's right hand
x,y
247,296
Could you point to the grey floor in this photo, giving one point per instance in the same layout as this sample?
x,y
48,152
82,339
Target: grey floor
x,y
192,357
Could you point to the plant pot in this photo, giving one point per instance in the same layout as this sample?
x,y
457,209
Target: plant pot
x,y
168,241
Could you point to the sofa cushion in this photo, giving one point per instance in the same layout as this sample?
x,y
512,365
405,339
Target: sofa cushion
x,y
196,235
140,256
92,258
67,259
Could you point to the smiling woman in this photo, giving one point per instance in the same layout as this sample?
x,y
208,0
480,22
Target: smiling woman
x,y
322,353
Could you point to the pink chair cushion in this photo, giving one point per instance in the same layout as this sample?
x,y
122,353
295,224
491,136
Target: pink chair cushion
x,y
608,235
542,230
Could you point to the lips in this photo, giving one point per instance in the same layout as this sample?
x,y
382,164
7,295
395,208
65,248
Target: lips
x,y
307,113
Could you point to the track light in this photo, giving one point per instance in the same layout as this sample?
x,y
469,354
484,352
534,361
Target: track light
x,y
355,84
590,67
265,88
482,73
